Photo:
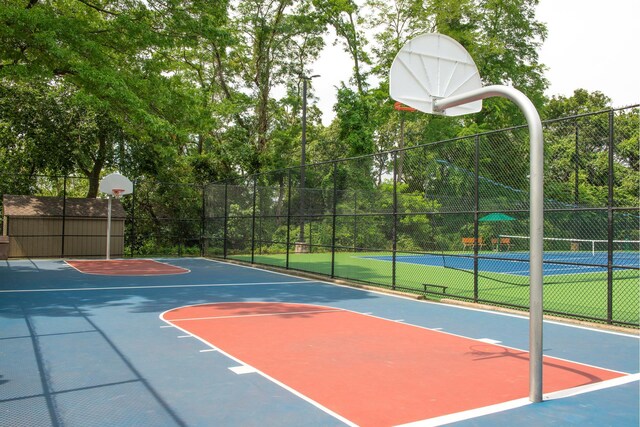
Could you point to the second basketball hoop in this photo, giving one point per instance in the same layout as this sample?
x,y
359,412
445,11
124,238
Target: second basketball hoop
x,y
115,185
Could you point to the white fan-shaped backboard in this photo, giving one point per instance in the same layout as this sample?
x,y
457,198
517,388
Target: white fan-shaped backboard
x,y
115,181
431,67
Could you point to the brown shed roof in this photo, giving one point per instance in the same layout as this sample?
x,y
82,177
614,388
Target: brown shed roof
x,y
28,206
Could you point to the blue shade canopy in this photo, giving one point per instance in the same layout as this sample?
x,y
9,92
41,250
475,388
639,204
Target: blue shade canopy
x,y
497,216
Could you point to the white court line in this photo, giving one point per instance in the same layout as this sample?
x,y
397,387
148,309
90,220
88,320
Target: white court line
x,y
105,288
416,301
505,406
489,340
255,315
466,415
561,394
185,270
243,369
440,330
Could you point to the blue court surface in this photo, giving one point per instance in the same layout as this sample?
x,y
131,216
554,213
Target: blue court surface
x,y
92,350
517,263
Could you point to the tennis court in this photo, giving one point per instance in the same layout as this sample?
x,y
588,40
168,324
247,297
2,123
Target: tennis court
x,y
516,263
196,342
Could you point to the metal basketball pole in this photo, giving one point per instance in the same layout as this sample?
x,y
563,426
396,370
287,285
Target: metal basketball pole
x,y
536,201
109,228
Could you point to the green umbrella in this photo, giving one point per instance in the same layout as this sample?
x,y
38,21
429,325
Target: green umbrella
x,y
497,217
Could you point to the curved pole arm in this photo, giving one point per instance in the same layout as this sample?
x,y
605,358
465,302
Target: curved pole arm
x,y
536,200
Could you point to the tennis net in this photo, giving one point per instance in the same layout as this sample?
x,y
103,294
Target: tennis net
x,y
626,252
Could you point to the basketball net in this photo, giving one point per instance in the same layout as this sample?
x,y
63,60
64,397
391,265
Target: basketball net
x,y
117,192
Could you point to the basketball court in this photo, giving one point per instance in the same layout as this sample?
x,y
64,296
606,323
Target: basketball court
x,y
191,342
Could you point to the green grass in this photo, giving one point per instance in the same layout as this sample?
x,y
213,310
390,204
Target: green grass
x,y
579,295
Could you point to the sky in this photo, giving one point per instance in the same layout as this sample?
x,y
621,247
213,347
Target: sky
x,y
591,44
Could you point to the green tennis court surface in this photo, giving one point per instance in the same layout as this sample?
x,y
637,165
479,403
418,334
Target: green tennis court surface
x,y
502,278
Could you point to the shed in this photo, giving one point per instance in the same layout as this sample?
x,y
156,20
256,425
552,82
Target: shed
x,y
61,227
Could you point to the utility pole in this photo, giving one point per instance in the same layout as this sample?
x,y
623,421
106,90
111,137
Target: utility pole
x,y
300,246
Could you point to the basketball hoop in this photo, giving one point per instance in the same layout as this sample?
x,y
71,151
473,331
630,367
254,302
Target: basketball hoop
x,y
117,192
399,106
115,185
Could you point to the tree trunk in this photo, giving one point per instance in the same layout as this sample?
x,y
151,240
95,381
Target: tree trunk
x,y
96,169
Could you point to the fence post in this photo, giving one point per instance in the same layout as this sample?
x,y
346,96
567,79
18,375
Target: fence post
x,y
288,217
333,227
476,208
355,221
253,219
225,221
64,213
133,217
610,226
576,188
260,216
394,232
202,222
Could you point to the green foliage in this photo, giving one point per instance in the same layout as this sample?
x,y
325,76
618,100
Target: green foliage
x,y
353,114
581,102
56,130
585,167
206,91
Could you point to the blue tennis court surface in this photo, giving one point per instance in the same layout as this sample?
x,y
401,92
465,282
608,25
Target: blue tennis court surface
x,y
91,350
517,263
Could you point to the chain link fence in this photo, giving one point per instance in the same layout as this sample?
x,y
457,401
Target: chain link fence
x,y
451,219
446,220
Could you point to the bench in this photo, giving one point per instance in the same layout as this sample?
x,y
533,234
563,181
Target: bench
x,y
443,289
505,242
470,242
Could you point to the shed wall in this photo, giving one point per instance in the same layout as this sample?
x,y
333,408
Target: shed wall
x,y
42,237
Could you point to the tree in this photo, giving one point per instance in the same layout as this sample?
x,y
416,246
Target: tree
x,y
55,130
344,17
114,51
274,42
502,36
582,101
578,150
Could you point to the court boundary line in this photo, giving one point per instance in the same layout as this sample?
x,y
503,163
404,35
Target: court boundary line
x,y
470,414
481,340
414,299
254,315
518,403
587,388
186,270
352,287
307,281
107,288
